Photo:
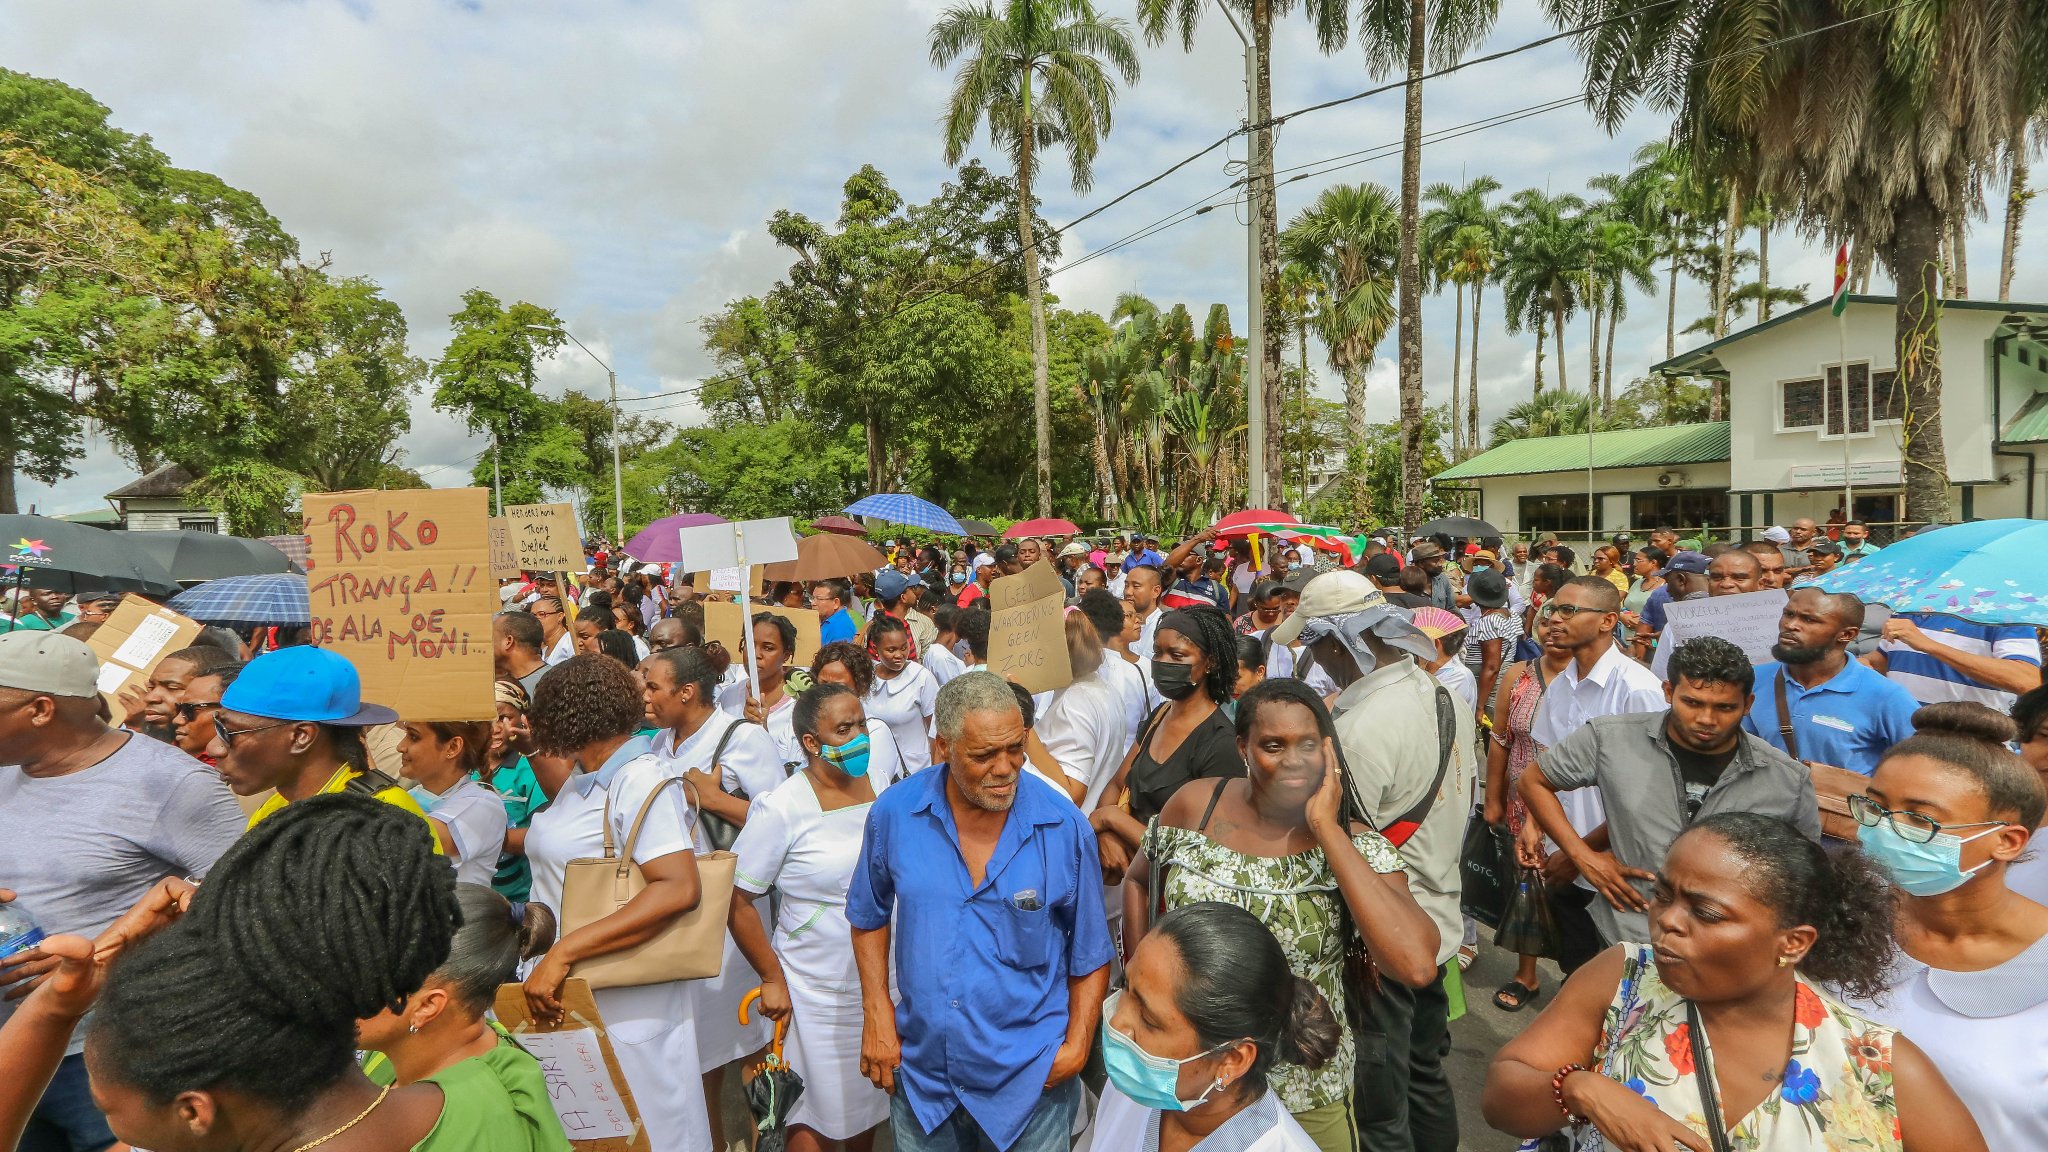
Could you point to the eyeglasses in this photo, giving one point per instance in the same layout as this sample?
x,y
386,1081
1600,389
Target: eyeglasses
x,y
189,710
1911,826
227,735
1568,611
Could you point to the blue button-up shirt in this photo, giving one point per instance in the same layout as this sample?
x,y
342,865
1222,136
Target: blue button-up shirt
x,y
1849,721
983,969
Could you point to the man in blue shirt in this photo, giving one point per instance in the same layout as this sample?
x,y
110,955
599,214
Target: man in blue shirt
x,y
988,881
1841,713
1144,553
835,623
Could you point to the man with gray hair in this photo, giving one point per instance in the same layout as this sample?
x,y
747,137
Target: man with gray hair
x,y
1817,703
986,881
1408,750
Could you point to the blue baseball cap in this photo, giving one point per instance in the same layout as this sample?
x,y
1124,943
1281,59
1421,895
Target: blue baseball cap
x,y
1694,562
891,583
304,684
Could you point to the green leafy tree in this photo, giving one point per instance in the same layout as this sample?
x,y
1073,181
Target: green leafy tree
x,y
1040,73
486,376
1459,238
1543,276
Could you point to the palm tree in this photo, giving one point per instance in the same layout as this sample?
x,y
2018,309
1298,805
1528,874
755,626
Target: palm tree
x,y
1039,72
2016,197
1412,34
1300,288
1478,253
1252,20
1449,250
1352,235
1546,261
1661,198
1617,259
1554,413
1918,100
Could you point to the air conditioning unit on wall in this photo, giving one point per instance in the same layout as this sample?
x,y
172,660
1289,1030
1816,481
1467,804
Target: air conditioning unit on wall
x,y
1673,480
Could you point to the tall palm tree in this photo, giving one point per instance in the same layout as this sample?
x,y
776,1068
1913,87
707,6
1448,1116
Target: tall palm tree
x,y
1554,413
1919,99
1352,234
1546,260
2016,196
1618,259
1413,34
1478,254
1301,286
1456,209
1040,73
1252,20
1661,198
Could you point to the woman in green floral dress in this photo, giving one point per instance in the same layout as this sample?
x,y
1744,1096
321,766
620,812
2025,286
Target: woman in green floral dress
x,y
1273,843
1714,1036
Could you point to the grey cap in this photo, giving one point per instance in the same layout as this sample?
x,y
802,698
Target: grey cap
x,y
48,664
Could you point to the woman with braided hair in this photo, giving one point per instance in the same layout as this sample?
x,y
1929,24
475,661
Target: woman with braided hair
x,y
235,1028
1194,666
904,693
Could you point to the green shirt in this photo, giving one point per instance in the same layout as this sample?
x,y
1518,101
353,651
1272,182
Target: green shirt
x,y
523,797
36,622
496,1102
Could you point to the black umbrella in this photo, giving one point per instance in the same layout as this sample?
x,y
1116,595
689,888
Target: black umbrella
x,y
66,557
195,556
773,1089
1457,527
978,527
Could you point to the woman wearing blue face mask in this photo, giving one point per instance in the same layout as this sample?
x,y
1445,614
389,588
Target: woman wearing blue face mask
x,y
1209,1006
803,839
1949,811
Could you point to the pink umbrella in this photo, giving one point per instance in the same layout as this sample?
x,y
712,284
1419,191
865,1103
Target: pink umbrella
x,y
839,524
1051,526
1252,520
658,543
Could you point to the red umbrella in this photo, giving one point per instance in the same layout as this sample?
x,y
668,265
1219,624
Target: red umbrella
x,y
1053,526
839,524
1243,523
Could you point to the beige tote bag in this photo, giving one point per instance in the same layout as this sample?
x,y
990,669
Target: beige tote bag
x,y
691,947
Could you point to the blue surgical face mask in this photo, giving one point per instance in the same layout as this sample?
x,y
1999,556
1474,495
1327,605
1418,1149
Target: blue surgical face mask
x,y
850,757
1150,1081
427,801
1928,869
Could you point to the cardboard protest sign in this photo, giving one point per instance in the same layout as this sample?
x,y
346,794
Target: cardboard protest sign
x,y
504,558
588,1090
399,582
807,626
132,640
1748,620
723,622
1027,636
545,537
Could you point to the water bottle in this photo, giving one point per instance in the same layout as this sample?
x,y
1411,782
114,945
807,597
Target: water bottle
x,y
18,931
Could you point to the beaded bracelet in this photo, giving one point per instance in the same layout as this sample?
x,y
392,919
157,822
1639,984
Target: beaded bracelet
x,y
1557,1091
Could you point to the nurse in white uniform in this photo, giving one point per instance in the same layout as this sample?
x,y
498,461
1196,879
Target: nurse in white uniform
x,y
774,641
467,816
1209,1006
588,710
846,663
803,841
729,765
904,693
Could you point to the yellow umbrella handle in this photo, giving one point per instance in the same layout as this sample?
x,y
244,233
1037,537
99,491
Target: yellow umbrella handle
x,y
781,1026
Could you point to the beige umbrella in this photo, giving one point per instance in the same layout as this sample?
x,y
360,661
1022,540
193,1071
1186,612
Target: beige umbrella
x,y
826,556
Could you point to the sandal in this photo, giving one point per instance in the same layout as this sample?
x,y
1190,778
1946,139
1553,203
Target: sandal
x,y
1515,996
1466,955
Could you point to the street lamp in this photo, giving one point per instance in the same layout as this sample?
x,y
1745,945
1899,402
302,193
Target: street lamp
x,y
618,486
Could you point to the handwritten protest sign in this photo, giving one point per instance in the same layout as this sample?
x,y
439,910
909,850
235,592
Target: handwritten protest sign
x,y
1748,620
399,582
1027,636
504,558
589,1092
132,640
545,537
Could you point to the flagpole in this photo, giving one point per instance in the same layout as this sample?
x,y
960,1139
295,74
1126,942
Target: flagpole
x,y
1842,335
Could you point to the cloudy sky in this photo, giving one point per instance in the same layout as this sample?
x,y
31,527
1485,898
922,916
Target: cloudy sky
x,y
617,160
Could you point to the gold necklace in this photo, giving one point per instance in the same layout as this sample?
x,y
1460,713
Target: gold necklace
x,y
360,1116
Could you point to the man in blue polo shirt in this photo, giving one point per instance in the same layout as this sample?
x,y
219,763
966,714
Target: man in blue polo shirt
x,y
1841,713
989,883
835,621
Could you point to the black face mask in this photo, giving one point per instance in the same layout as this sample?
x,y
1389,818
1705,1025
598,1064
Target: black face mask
x,y
1174,681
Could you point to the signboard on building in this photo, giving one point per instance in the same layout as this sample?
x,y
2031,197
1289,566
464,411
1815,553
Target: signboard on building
x,y
1862,474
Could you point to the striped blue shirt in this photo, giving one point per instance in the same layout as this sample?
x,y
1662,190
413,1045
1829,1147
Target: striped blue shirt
x,y
1932,682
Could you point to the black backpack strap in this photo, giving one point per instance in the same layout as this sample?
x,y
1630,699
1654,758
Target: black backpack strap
x,y
370,783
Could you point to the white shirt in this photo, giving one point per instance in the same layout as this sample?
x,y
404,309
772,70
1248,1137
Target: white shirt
x,y
1281,662
1132,687
476,822
792,845
1124,1125
563,649
1454,675
941,663
1087,730
1614,686
732,700
1143,646
750,763
905,705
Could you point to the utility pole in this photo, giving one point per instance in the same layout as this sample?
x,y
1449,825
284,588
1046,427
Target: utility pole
x,y
618,487
1256,491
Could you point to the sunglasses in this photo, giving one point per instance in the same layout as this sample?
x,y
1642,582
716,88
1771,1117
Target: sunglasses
x,y
189,710
227,735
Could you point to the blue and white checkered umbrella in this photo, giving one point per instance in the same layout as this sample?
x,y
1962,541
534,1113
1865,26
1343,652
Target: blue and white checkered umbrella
x,y
1986,572
247,601
903,508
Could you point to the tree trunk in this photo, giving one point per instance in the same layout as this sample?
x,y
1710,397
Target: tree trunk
x,y
1409,274
1763,271
1472,377
1861,258
1457,371
2016,198
10,502
1915,268
1714,398
1034,292
1607,386
1671,310
1355,463
1539,360
874,433
1557,319
1592,355
1271,383
1120,463
1959,256
1103,479
1724,273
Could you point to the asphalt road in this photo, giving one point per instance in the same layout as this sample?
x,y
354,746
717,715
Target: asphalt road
x,y
1474,1039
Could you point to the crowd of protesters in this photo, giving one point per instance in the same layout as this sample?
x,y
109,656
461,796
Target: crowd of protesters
x,y
1210,894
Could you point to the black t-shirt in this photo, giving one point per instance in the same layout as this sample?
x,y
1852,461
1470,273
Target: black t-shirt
x,y
1209,751
1408,600
1700,771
